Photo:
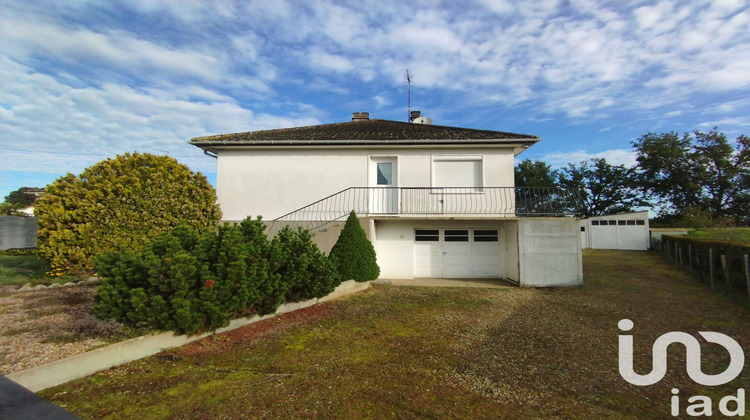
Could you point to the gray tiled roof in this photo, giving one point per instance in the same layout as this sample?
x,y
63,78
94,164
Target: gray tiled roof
x,y
369,132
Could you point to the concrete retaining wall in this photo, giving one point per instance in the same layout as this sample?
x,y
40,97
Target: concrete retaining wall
x,y
18,232
80,365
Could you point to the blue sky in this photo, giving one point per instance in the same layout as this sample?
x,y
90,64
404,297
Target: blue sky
x,y
81,81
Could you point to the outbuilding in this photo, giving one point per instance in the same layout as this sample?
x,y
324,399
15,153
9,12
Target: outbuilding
x,y
627,231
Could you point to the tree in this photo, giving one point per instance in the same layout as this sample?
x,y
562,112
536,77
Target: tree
x,y
353,254
22,197
693,172
536,173
120,202
605,189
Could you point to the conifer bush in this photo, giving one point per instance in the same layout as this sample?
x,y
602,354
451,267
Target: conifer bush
x,y
353,254
189,281
120,202
305,268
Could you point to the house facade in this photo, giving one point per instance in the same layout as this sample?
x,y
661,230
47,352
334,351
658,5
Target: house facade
x,y
436,201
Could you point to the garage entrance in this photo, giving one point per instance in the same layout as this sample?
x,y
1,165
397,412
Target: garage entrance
x,y
457,253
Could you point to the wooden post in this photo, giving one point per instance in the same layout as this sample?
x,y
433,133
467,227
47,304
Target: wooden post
x,y
724,266
698,265
679,257
711,266
747,274
690,259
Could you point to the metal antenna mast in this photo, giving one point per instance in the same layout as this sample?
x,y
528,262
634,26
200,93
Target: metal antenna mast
x,y
408,105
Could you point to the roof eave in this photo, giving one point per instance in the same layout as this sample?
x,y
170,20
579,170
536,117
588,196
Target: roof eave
x,y
202,143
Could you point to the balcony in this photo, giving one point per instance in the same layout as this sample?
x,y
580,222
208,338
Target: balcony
x,y
432,202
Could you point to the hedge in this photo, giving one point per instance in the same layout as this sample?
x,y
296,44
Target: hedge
x,y
192,281
690,251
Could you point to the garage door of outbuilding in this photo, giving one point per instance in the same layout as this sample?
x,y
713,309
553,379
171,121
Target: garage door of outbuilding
x,y
457,253
619,234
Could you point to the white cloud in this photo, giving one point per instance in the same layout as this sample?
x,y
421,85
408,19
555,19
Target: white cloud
x,y
614,157
75,127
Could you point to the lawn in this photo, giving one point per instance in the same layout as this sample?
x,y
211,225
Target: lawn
x,y
17,270
721,234
412,352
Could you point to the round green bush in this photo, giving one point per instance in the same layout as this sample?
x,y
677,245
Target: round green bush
x,y
120,202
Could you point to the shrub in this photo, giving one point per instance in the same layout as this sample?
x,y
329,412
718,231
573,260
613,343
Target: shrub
x,y
191,282
163,288
304,268
120,202
353,254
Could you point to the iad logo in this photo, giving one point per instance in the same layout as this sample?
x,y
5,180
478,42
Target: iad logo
x,y
703,404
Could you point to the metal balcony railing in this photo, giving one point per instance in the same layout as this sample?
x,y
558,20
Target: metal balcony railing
x,y
415,201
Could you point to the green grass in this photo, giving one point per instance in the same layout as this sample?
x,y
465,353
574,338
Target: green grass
x,y
721,234
437,353
17,270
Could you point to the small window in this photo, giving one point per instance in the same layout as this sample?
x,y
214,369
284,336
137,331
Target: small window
x,y
595,223
385,173
583,228
613,222
427,235
485,236
631,222
640,222
621,222
456,235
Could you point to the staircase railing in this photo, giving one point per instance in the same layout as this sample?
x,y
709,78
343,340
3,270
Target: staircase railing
x,y
414,201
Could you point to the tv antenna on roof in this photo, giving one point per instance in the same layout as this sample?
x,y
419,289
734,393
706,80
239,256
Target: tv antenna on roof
x,y
408,104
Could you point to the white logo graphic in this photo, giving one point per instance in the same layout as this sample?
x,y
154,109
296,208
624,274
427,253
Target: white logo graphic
x,y
692,355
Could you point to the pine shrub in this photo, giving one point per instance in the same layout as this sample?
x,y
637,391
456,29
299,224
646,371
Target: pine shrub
x,y
305,268
190,282
353,254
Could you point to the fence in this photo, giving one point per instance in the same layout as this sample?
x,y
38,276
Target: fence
x,y
723,265
18,232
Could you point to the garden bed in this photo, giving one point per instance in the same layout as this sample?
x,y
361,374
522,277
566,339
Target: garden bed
x,y
42,326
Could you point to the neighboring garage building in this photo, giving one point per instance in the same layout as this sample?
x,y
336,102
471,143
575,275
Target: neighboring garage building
x,y
627,231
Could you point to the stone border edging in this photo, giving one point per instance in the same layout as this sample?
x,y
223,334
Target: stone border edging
x,y
60,371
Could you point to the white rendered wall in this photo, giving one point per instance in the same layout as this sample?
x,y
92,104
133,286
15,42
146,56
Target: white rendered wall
x,y
274,182
511,251
550,252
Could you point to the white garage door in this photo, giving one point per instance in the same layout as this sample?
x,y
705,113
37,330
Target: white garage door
x,y
619,234
456,253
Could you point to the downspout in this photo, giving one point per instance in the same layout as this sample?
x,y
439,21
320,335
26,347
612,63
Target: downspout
x,y
212,154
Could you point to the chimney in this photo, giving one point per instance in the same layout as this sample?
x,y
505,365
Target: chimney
x,y
415,115
360,116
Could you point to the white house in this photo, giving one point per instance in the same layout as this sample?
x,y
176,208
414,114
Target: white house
x,y
436,201
619,231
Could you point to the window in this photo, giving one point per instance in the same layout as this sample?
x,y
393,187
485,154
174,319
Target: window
x,y
613,222
485,235
385,173
583,228
456,235
640,222
631,222
595,223
426,235
457,171
621,222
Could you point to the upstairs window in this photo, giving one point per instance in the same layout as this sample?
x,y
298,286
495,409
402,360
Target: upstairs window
x,y
457,171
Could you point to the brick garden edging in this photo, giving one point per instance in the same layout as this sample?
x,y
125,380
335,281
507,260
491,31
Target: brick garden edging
x,y
60,371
